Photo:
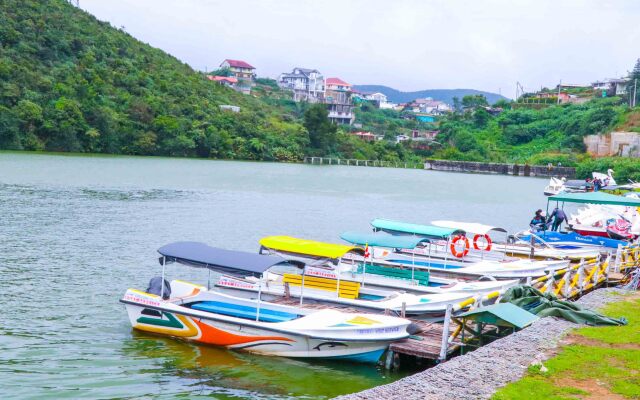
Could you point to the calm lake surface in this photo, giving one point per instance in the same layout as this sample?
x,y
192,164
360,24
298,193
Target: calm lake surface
x,y
76,232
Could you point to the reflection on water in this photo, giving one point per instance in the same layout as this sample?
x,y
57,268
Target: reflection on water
x,y
215,370
76,232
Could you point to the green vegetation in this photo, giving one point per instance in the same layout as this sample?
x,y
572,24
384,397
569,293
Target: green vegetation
x,y
536,136
598,362
69,82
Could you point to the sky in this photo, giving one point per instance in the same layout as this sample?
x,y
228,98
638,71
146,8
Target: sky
x,y
408,45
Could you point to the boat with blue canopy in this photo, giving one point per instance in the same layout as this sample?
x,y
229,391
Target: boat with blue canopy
x,y
209,316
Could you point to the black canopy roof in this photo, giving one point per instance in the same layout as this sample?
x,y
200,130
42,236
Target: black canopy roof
x,y
198,254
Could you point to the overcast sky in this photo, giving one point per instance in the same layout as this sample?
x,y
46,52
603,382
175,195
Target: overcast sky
x,y
408,45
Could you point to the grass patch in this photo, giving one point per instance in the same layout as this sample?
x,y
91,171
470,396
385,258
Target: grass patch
x,y
607,366
618,334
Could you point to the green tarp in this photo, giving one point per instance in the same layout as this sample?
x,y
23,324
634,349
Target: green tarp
x,y
548,305
501,314
596,198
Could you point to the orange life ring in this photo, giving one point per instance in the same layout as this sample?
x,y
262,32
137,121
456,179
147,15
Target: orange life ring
x,y
456,253
486,237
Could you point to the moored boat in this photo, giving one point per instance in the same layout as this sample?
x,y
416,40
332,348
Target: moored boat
x,y
195,313
482,249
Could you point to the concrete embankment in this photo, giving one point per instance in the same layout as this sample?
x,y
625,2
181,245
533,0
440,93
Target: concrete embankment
x,y
501,169
477,375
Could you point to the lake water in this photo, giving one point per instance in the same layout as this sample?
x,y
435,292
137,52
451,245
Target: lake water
x,y
76,232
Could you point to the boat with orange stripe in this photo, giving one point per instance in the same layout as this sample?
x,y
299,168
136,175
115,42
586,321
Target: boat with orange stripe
x,y
196,313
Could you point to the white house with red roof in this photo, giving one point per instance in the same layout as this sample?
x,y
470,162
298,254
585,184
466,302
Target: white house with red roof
x,y
337,96
240,69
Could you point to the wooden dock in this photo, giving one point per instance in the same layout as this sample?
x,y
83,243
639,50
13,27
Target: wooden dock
x,y
425,344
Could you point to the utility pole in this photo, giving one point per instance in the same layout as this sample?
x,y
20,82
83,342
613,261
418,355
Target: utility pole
x,y
559,86
635,86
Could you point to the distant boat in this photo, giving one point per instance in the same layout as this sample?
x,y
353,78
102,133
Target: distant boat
x,y
560,185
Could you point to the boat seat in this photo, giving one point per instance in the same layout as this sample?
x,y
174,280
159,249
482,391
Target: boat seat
x,y
241,311
421,276
348,289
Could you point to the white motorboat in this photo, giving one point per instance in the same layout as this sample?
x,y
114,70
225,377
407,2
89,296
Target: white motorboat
x,y
195,313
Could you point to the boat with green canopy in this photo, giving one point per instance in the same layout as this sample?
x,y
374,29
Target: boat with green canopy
x,y
453,244
604,214
409,276
427,231
383,253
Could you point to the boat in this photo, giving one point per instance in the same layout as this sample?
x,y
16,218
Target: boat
x,y
572,240
557,186
321,286
372,272
505,274
197,313
603,215
482,248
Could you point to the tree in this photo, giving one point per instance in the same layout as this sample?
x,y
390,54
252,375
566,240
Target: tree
x,y
632,89
473,101
322,133
457,106
502,103
481,117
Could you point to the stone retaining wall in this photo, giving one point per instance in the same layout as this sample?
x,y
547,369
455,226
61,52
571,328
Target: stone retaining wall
x,y
497,168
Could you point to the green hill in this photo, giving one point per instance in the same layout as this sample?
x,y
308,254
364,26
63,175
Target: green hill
x,y
446,95
69,82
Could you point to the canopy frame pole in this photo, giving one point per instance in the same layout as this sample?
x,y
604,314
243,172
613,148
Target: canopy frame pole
x,y
338,283
446,252
413,264
304,269
364,265
164,262
259,296
546,216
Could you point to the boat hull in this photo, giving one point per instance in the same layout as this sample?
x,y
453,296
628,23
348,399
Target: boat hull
x,y
242,337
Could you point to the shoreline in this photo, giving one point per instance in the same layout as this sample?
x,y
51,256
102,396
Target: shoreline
x,y
480,373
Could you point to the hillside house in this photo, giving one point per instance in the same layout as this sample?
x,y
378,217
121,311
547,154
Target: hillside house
x,y
402,138
228,81
610,87
239,69
366,136
306,84
337,96
423,135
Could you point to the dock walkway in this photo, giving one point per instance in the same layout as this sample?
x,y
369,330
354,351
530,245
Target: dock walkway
x,y
426,343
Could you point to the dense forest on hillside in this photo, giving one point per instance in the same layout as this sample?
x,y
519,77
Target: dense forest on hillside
x,y
69,82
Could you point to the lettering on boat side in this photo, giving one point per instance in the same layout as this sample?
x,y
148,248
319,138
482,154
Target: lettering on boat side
x,y
142,300
226,281
320,273
378,330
